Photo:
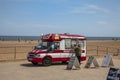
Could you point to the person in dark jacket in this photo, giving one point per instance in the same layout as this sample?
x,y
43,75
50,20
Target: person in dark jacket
x,y
77,50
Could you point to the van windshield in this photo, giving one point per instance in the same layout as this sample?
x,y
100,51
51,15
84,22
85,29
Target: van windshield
x,y
43,45
48,45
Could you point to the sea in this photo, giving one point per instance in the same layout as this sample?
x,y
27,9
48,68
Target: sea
x,y
32,38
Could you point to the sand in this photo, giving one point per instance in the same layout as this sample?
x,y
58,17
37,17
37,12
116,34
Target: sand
x,y
23,70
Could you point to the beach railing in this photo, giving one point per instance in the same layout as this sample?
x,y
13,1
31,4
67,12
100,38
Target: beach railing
x,y
102,50
20,52
14,53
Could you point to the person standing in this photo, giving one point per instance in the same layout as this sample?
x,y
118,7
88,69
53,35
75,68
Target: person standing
x,y
77,50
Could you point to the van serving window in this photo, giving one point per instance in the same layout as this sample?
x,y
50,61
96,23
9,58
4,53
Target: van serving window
x,y
67,43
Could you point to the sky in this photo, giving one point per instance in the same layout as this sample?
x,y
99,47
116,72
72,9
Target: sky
x,y
100,18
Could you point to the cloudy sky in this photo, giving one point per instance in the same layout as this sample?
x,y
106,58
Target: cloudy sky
x,y
34,17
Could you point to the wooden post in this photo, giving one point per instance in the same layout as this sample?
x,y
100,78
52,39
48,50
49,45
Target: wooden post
x,y
14,53
97,50
118,51
106,50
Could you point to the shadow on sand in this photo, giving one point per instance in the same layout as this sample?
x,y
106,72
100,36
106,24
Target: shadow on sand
x,y
40,65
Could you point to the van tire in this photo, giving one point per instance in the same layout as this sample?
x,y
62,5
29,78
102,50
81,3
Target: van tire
x,y
47,61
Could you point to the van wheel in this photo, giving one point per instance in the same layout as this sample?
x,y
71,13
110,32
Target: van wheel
x,y
47,61
34,63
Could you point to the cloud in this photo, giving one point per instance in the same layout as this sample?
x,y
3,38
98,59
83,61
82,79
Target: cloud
x,y
102,22
89,9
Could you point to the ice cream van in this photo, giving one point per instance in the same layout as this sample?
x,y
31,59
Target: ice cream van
x,y
56,48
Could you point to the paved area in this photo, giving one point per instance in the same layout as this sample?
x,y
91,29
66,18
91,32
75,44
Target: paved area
x,y
24,70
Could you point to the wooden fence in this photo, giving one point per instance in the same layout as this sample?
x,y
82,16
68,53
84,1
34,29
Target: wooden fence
x,y
20,52
102,51
14,53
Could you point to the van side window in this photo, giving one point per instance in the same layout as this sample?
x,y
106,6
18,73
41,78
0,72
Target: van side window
x,y
67,43
73,42
57,45
82,43
54,46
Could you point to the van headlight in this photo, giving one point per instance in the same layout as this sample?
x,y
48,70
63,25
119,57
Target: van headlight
x,y
37,56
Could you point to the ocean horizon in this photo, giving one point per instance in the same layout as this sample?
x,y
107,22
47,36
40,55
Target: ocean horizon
x,y
16,38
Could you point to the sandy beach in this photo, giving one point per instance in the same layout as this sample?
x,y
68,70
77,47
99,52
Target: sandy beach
x,y
23,70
